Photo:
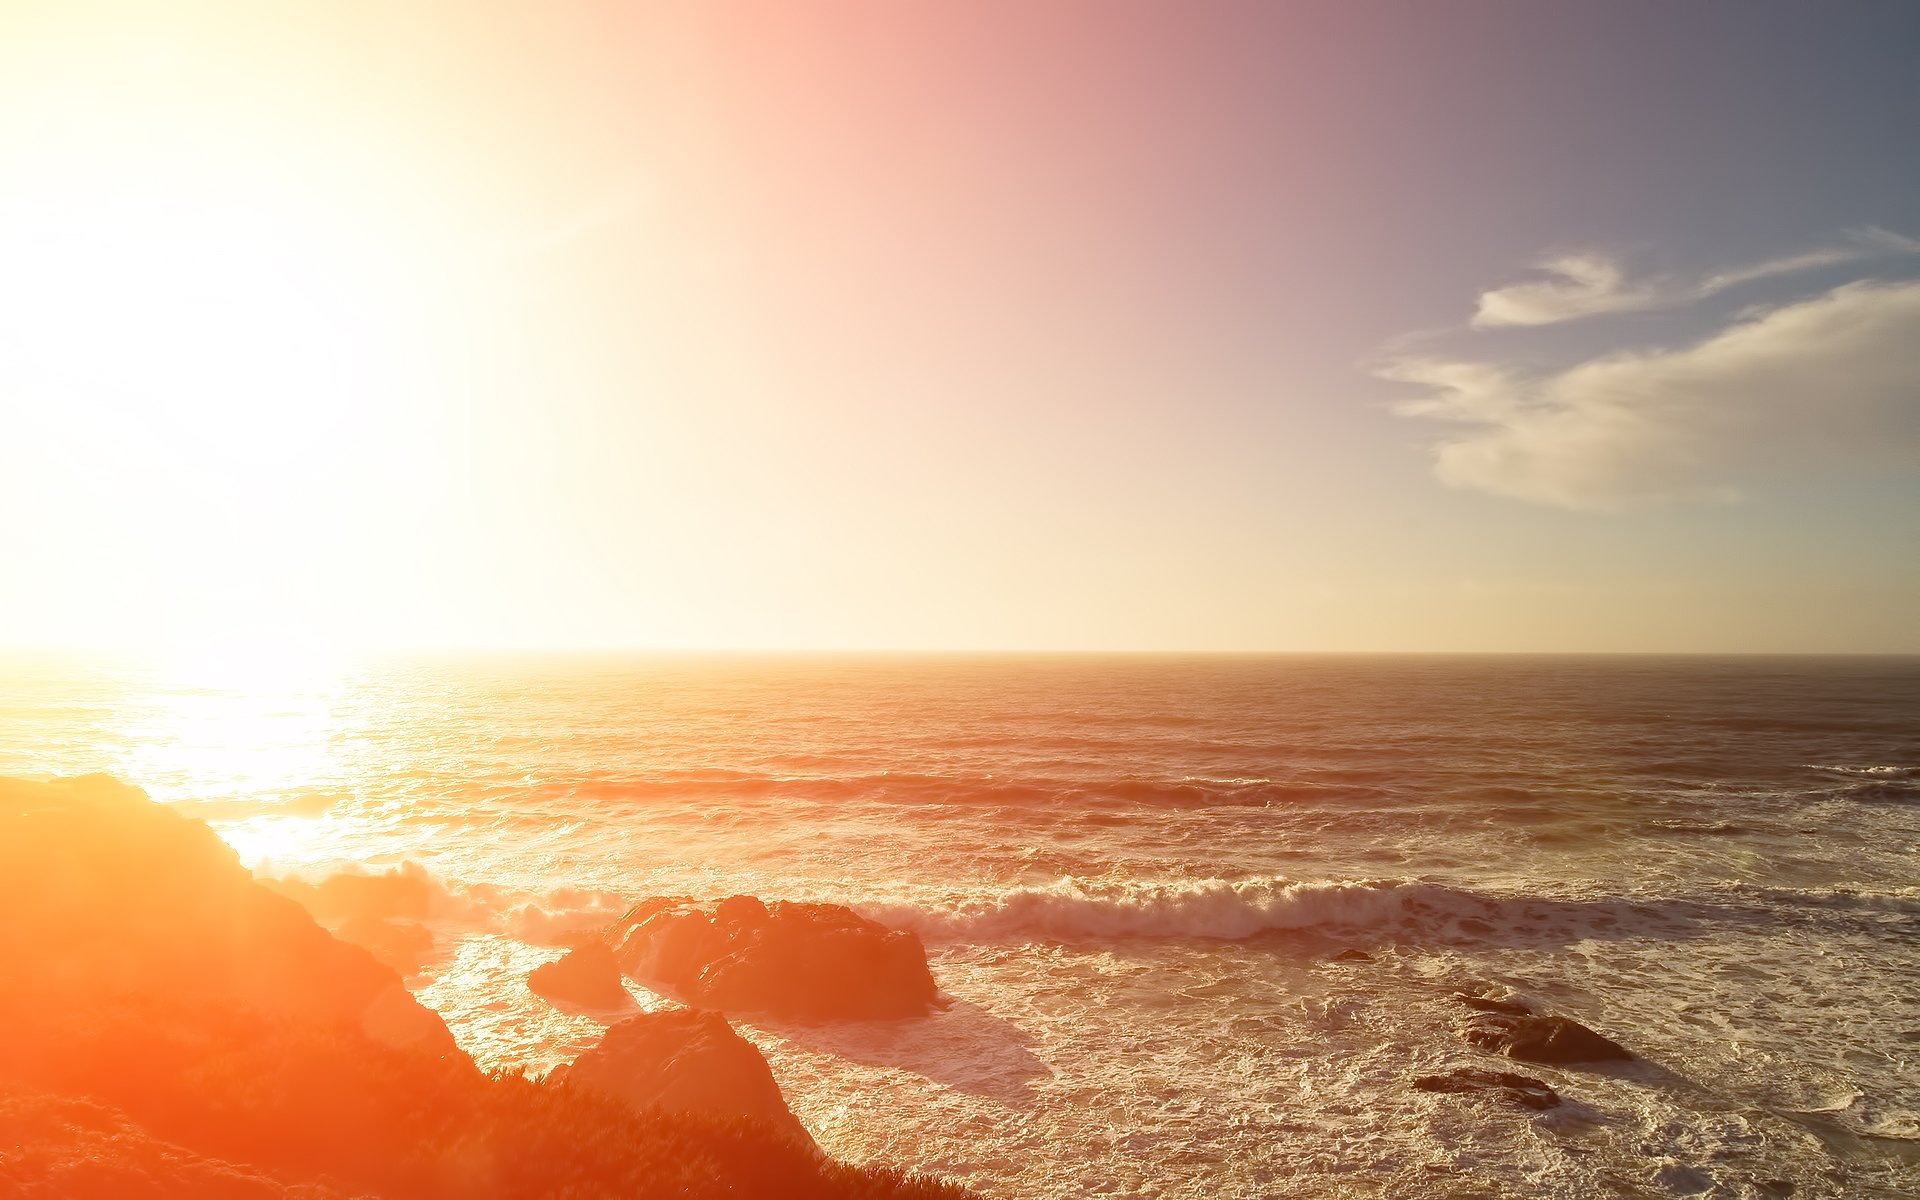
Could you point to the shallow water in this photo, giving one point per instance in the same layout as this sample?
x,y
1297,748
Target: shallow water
x,y
1131,875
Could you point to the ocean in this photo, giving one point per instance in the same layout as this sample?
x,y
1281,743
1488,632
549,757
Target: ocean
x,y
1135,876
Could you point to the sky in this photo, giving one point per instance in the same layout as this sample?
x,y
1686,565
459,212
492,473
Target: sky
x,y
992,326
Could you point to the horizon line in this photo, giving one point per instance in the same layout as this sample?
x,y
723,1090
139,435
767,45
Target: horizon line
x,y
639,651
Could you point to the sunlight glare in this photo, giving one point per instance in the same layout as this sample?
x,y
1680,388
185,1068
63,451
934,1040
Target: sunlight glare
x,y
224,348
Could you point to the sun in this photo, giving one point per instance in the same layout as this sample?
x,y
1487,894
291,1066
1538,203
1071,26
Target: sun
x,y
221,337
220,332
225,291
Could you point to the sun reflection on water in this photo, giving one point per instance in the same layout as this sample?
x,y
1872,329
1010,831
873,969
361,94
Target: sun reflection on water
x,y
270,845
255,740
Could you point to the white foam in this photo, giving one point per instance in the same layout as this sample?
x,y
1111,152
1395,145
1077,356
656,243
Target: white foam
x,y
1893,900
1207,908
1882,771
557,917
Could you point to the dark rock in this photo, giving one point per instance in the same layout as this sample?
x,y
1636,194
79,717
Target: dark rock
x,y
1545,1040
1510,1008
1352,956
806,961
586,975
740,909
684,1060
1521,1089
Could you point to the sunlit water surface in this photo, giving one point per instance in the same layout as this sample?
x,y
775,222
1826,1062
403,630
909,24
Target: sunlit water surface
x,y
1131,875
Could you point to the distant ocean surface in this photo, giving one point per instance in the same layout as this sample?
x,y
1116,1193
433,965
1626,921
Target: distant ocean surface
x,y
1132,874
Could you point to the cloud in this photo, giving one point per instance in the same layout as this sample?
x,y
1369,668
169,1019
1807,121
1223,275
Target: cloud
x,y
1588,284
1577,285
1824,383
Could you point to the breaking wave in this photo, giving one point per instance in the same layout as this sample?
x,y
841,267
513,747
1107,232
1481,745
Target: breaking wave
x,y
1227,910
1885,783
1891,902
1398,910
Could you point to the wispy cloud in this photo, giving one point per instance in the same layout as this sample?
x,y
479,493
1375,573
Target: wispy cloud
x,y
1575,286
1827,382
1588,283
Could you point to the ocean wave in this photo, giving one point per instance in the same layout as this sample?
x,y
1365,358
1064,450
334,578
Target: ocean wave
x,y
1229,910
411,892
914,788
1875,772
1892,902
1871,784
1708,828
1402,911
559,917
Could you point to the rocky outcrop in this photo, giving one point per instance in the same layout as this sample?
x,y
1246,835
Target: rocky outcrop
x,y
1511,1027
811,962
587,976
1524,1090
1544,1040
684,1060
106,893
169,1027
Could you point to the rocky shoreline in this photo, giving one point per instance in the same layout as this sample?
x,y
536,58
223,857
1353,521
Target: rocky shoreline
x,y
173,1028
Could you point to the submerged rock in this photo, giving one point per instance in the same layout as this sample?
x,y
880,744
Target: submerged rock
x,y
1520,1089
586,975
1510,1008
1545,1040
684,1060
1351,956
807,961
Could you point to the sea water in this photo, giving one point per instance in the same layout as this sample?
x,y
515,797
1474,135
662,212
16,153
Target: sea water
x,y
1135,876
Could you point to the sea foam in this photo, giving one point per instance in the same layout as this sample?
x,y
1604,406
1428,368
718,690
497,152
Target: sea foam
x,y
1206,908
